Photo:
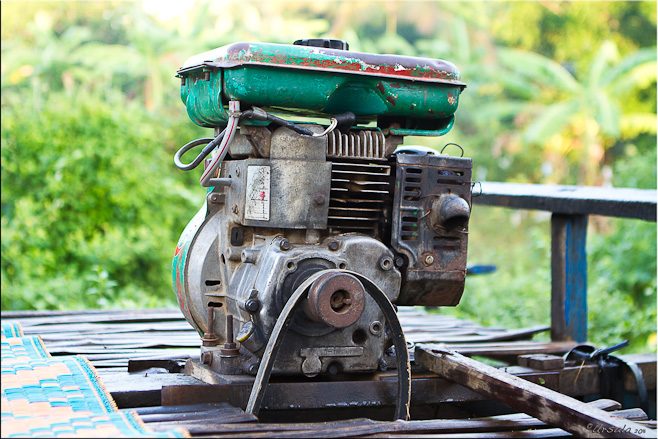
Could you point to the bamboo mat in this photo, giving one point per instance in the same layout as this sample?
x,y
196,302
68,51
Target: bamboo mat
x,y
44,396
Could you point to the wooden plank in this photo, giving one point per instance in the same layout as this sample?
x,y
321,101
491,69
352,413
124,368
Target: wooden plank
x,y
544,404
23,314
510,424
571,200
514,334
541,361
568,278
110,328
187,408
129,316
511,348
316,394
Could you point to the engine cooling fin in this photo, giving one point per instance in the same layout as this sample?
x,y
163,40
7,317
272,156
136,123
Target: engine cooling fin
x,y
359,197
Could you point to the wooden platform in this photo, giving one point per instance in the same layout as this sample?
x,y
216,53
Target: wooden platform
x,y
140,354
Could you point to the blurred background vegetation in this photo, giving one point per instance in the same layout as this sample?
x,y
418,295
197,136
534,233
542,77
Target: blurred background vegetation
x,y
92,205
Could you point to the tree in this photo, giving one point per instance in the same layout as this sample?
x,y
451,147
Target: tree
x,y
569,116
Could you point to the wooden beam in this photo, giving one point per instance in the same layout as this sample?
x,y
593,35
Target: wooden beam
x,y
570,200
568,278
544,404
514,425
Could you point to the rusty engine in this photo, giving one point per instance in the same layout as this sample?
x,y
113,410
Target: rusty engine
x,y
317,219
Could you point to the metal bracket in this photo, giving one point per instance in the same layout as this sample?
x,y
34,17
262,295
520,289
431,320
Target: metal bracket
x,y
281,326
312,364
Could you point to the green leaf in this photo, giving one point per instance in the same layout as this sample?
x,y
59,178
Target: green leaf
x,y
641,76
607,54
606,114
538,68
502,110
634,124
627,64
551,121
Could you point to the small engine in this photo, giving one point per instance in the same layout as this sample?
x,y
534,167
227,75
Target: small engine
x,y
328,207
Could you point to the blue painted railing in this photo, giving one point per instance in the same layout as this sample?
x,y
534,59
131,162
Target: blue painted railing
x,y
570,207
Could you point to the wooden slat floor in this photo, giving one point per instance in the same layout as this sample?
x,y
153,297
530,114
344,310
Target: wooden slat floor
x,y
113,340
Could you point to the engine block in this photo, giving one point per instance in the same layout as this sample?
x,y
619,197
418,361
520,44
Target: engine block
x,y
327,212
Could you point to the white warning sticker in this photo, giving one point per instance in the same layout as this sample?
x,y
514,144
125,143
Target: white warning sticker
x,y
258,193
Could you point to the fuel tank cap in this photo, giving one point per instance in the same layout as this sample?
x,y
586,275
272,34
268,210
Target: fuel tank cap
x,y
319,42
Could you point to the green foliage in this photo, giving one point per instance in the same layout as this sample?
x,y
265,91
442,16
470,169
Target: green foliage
x,y
622,279
518,293
92,199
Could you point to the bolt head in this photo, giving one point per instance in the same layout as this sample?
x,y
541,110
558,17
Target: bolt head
x,y
252,368
429,260
333,246
385,263
206,358
252,305
319,199
399,261
284,245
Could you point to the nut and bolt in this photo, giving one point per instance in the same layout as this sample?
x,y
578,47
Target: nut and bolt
x,y
214,198
319,199
284,245
333,246
429,260
399,261
209,337
376,327
230,347
252,305
252,368
385,263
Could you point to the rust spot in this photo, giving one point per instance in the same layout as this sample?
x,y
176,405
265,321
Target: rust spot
x,y
391,99
395,85
451,99
430,111
381,88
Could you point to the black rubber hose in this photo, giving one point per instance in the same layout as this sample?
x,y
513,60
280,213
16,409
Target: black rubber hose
x,y
262,115
290,125
212,143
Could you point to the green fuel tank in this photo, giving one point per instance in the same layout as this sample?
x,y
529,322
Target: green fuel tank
x,y
404,95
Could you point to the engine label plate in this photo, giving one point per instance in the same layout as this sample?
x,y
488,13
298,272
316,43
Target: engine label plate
x,y
257,203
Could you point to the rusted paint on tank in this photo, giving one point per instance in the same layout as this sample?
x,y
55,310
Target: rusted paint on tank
x,y
451,99
322,82
290,56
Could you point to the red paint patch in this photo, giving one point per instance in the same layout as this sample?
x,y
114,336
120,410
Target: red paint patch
x,y
178,249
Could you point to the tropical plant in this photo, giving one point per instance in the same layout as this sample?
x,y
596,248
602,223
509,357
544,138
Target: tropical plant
x,y
574,117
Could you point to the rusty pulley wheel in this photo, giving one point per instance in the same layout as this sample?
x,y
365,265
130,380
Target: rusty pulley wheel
x,y
337,299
